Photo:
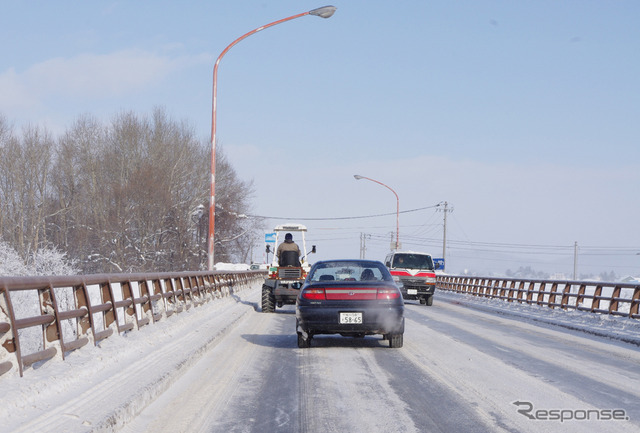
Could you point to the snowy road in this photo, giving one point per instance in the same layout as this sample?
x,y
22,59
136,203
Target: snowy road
x,y
460,370
226,367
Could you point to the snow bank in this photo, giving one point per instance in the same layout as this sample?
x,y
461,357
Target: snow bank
x,y
103,387
614,327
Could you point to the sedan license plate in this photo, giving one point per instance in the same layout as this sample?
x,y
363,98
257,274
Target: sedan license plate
x,y
412,291
350,318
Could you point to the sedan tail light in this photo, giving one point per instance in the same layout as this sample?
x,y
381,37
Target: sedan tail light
x,y
314,294
388,294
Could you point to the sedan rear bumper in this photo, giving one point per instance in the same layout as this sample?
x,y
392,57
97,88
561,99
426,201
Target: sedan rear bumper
x,y
325,319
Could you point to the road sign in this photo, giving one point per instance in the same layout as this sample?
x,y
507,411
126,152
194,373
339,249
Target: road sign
x,y
270,238
440,262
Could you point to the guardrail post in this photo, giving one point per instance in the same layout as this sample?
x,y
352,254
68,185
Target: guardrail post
x,y
210,286
51,331
541,291
142,304
530,290
478,288
222,285
512,289
9,355
595,303
106,296
81,297
156,301
169,297
552,295
179,290
203,287
613,304
195,290
521,291
216,285
566,292
453,284
128,307
443,283
186,291
581,296
635,300
486,287
495,289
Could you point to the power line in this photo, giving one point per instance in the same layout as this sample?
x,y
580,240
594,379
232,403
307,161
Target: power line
x,y
340,218
492,247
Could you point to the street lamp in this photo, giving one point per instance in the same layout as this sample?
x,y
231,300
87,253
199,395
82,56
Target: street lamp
x,y
358,177
323,12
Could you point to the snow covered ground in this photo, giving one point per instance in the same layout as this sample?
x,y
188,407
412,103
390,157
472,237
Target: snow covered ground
x,y
618,328
103,388
100,388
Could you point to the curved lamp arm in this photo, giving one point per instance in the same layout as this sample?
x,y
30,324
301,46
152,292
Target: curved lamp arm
x,y
323,12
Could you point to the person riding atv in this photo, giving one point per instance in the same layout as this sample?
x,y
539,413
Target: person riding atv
x,y
288,269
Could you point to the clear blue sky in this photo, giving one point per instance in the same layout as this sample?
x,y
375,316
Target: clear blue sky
x,y
523,116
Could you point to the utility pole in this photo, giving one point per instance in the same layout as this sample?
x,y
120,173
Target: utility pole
x,y
575,261
444,231
363,244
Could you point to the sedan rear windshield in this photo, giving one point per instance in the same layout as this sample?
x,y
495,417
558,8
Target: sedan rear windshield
x,y
349,271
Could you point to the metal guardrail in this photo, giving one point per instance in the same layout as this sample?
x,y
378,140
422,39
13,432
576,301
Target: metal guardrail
x,y
618,299
72,311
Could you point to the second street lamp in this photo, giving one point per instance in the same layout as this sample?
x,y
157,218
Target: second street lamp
x,y
358,177
323,12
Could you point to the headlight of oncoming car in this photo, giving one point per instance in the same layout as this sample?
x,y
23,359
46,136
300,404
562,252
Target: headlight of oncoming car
x,y
397,280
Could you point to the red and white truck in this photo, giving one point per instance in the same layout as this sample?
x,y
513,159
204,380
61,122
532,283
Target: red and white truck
x,y
414,273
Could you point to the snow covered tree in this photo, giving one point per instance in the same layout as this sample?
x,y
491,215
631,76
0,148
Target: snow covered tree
x,y
46,261
11,264
130,196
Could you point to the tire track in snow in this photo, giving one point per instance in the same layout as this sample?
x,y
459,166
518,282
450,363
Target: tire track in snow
x,y
488,363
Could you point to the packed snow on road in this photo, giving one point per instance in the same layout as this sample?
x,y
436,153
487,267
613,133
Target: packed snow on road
x,y
468,364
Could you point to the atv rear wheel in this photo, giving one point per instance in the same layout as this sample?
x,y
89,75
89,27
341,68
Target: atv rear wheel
x,y
268,300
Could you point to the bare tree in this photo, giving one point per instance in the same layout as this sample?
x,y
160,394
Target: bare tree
x,y
6,178
24,180
234,231
128,196
78,184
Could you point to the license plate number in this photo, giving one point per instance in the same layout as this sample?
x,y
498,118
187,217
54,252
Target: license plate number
x,y
349,318
412,291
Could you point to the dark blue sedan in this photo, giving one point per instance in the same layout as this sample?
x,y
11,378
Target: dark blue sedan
x,y
352,298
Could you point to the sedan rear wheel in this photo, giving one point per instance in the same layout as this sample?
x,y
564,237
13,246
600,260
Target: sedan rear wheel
x,y
303,343
396,340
